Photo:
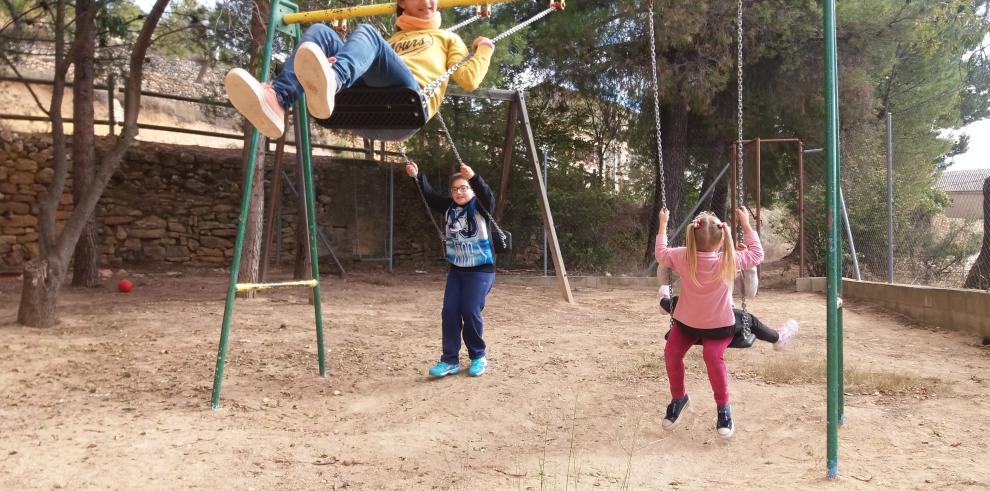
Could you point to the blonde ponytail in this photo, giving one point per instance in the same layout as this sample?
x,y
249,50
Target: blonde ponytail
x,y
707,233
692,254
728,257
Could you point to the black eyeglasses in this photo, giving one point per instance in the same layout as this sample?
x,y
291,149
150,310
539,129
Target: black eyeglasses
x,y
459,189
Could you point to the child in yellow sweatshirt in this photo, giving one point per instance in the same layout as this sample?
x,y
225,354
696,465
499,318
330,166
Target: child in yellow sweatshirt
x,y
323,64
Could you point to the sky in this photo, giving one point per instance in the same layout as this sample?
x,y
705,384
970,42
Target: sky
x,y
978,156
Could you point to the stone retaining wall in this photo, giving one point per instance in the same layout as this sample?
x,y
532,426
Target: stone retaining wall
x,y
179,204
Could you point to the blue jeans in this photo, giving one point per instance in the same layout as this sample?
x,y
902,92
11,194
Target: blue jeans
x,y
463,301
365,58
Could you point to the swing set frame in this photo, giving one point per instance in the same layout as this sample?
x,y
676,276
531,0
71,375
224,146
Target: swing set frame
x,y
286,18
835,404
758,161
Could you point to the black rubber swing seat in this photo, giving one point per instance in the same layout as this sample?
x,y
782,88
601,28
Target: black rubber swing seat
x,y
394,113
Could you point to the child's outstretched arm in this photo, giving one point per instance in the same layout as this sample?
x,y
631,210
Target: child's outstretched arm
x,y
470,75
752,255
481,189
437,202
664,254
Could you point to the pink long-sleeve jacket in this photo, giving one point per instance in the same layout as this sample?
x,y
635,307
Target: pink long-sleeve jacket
x,y
708,306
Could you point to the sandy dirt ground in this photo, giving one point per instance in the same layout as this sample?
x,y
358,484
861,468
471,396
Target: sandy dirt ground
x,y
117,395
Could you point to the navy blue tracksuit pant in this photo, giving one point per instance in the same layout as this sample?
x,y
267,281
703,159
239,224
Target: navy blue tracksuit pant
x,y
463,301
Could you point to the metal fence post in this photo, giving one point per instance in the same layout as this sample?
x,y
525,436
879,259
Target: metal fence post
x,y
890,198
545,256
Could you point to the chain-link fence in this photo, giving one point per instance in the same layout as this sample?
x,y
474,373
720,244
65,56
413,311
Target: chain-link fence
x,y
930,228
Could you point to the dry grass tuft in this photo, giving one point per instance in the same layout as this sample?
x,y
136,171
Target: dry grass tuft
x,y
795,370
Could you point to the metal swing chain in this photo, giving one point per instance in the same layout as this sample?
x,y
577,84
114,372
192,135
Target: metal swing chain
x,y
656,107
465,23
450,139
432,88
443,240
739,105
443,123
659,134
747,329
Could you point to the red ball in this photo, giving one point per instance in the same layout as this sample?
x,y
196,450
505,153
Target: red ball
x,y
125,286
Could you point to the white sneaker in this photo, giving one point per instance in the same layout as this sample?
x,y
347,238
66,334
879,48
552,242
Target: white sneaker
x,y
317,78
256,102
785,333
723,423
664,291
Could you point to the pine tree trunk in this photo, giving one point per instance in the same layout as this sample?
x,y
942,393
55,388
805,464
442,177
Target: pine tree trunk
x,y
204,66
677,140
979,274
600,155
716,201
86,258
303,268
251,254
39,293
43,276
675,157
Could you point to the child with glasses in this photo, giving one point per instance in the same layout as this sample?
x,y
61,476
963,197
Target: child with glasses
x,y
472,266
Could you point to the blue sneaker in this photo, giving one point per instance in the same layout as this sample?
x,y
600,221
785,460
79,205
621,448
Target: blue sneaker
x,y
723,423
478,367
442,369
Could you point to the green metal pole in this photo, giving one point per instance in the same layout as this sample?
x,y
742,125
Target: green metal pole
x,y
833,266
235,267
302,122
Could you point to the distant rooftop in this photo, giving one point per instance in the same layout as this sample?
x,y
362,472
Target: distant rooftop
x,y
963,180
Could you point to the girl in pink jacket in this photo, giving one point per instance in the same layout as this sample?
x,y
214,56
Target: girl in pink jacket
x,y
707,267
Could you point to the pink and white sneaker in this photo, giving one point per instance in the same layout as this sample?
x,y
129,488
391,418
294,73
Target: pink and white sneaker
x,y
786,332
255,101
314,72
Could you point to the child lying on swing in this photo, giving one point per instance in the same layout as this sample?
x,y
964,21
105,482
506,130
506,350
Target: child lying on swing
x,y
780,338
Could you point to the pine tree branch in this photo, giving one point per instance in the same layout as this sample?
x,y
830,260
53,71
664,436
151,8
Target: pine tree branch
x,y
132,106
27,85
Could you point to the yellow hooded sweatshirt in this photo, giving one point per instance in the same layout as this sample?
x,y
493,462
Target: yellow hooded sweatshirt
x,y
430,52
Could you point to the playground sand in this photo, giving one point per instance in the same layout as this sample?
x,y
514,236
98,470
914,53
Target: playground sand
x,y
118,395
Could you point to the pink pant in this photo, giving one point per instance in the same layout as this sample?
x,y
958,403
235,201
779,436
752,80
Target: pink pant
x,y
678,344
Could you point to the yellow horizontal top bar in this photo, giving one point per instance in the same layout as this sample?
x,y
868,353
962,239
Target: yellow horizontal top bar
x,y
369,11
244,287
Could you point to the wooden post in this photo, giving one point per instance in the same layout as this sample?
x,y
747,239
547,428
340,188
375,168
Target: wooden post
x,y
759,205
369,148
802,269
110,105
541,194
510,143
